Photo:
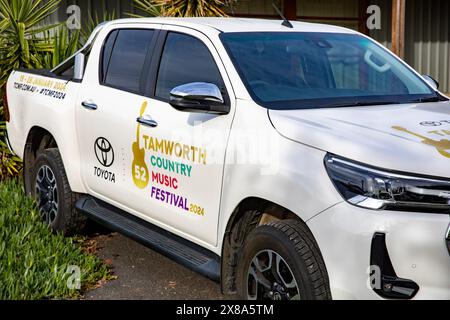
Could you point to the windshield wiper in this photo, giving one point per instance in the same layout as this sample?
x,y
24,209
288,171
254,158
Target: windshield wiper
x,y
362,104
431,99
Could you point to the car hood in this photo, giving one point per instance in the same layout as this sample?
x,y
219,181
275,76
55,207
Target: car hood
x,y
407,137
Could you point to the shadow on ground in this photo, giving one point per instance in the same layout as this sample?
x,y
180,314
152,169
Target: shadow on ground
x,y
143,274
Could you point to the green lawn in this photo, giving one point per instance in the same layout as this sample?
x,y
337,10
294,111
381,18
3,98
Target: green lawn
x,y
34,262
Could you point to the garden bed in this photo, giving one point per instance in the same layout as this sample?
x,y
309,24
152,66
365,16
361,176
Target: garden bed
x,y
34,262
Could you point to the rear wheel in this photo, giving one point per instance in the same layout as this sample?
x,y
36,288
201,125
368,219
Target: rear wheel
x,y
54,198
281,261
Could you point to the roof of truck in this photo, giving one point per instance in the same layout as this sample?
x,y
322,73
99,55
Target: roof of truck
x,y
240,24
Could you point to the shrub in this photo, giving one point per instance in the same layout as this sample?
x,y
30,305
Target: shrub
x,y
33,260
26,43
183,8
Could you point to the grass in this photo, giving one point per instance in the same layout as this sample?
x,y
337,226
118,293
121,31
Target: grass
x,y
33,261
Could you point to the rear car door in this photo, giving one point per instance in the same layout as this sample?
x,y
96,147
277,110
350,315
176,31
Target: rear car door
x,y
110,98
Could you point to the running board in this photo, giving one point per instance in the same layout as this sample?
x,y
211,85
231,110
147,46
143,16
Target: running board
x,y
178,249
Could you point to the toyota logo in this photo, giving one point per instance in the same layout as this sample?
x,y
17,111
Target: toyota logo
x,y
104,152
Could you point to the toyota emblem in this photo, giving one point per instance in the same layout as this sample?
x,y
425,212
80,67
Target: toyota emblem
x,y
104,152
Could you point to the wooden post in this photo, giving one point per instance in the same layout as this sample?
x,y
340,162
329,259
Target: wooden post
x,y
290,9
398,27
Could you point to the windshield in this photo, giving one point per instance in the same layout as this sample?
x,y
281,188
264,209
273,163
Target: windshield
x,y
295,70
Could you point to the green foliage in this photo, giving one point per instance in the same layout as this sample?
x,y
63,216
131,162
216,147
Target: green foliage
x,y
26,42
147,7
183,8
57,45
9,165
20,27
93,22
33,261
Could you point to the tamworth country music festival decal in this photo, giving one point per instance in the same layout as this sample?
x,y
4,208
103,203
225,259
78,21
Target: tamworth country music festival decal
x,y
165,172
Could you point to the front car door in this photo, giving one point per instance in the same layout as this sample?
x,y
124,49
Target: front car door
x,y
184,152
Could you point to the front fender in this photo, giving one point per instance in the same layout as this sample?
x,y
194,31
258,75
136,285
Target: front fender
x,y
281,171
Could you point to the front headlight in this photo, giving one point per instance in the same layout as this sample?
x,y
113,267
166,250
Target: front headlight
x,y
373,188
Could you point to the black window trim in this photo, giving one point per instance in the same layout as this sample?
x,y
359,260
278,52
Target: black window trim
x,y
101,72
147,62
152,79
153,70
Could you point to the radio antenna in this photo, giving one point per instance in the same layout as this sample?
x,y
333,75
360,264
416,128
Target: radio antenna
x,y
286,22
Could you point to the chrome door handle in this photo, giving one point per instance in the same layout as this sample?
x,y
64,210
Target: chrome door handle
x,y
147,122
89,105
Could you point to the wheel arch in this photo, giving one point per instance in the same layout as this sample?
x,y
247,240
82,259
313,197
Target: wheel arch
x,y
41,138
250,213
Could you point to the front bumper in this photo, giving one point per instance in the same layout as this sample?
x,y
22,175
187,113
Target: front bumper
x,y
416,243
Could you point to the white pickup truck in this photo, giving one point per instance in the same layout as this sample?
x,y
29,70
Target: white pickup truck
x,y
288,161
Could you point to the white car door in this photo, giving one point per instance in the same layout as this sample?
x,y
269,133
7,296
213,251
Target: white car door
x,y
184,151
110,98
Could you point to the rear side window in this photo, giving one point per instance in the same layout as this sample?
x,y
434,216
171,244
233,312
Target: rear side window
x,y
185,59
127,59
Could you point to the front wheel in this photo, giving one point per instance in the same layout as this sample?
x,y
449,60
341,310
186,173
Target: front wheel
x,y
54,198
281,261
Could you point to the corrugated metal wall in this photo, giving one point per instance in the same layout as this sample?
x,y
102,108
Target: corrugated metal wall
x,y
427,38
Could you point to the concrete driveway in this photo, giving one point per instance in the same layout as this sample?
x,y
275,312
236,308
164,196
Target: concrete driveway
x,y
143,274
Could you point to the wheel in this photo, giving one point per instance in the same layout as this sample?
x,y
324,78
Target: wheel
x,y
281,261
55,200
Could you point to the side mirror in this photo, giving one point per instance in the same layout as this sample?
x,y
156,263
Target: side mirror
x,y
431,81
198,97
78,69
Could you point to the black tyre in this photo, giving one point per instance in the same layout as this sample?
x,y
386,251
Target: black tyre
x,y
55,199
281,261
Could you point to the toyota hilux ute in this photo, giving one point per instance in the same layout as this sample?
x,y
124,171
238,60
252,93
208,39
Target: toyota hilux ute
x,y
299,161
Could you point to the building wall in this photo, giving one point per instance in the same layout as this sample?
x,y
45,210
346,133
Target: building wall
x,y
427,28
427,36
345,12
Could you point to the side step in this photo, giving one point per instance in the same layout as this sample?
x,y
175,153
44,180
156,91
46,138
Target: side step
x,y
181,250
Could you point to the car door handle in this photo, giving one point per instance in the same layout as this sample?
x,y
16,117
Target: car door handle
x,y
147,122
89,105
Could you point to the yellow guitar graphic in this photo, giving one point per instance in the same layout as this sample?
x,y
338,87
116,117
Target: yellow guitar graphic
x,y
442,146
139,167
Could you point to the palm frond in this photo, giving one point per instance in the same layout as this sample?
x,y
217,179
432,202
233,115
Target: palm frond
x,y
182,8
93,22
145,8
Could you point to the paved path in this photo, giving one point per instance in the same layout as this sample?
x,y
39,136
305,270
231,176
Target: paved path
x,y
144,274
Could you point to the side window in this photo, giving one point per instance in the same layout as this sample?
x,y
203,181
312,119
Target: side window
x,y
126,64
185,59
